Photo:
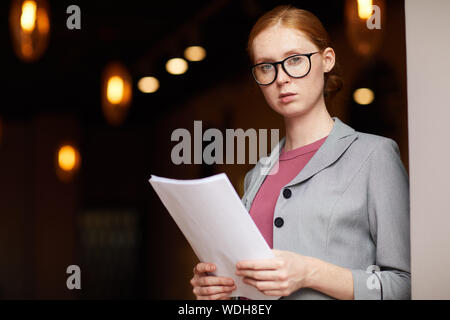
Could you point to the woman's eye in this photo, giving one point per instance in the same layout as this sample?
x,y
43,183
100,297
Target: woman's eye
x,y
295,60
265,67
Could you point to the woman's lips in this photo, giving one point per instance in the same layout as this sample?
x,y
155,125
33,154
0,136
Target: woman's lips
x,y
287,97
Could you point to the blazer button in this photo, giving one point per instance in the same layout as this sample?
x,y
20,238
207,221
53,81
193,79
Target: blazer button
x,y
279,222
287,193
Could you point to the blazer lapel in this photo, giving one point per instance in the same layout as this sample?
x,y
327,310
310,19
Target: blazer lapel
x,y
339,139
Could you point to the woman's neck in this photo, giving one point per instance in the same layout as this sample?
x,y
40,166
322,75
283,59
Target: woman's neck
x,y
307,128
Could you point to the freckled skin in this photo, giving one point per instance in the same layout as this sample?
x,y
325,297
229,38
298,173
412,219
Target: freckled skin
x,y
274,43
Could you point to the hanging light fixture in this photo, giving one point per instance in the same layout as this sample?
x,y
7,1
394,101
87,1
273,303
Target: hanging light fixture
x,y
68,161
148,84
195,53
116,93
176,66
30,27
364,9
364,41
363,96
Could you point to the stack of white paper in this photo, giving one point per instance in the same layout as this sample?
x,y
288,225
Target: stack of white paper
x,y
216,224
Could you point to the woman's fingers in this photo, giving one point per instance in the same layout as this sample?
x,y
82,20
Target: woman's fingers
x,y
204,281
267,264
214,281
212,290
204,267
265,285
210,287
219,296
278,293
261,274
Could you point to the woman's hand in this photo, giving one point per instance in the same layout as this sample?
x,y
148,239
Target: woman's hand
x,y
280,276
208,287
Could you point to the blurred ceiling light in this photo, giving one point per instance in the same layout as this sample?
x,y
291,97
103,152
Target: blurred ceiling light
x,y
366,42
116,93
364,9
148,84
114,89
363,96
28,17
68,162
44,22
176,66
67,158
195,53
30,27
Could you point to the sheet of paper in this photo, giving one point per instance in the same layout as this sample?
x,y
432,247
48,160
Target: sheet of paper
x,y
216,224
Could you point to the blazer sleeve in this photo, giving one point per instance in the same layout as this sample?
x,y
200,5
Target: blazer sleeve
x,y
389,220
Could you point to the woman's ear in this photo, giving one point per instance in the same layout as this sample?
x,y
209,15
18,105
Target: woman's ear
x,y
329,59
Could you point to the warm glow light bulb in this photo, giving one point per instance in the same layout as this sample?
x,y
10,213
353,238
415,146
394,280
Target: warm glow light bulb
x,y
148,84
115,88
364,9
176,66
67,158
195,53
28,17
44,22
363,96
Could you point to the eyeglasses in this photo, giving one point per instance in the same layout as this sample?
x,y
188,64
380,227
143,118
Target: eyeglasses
x,y
296,66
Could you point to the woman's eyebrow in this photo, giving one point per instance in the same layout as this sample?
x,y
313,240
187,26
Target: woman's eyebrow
x,y
286,54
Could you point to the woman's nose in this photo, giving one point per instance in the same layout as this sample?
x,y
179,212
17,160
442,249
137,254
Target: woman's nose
x,y
282,76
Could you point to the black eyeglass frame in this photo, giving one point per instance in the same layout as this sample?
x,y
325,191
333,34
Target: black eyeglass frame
x,y
274,64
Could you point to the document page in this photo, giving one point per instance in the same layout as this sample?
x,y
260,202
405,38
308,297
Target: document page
x,y
216,224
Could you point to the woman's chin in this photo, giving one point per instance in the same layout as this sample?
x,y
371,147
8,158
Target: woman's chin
x,y
290,110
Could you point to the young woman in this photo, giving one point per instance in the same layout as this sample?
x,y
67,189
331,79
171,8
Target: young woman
x,y
334,204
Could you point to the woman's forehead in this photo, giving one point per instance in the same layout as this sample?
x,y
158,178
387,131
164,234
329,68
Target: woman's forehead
x,y
277,41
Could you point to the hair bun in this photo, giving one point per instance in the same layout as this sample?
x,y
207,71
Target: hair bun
x,y
333,84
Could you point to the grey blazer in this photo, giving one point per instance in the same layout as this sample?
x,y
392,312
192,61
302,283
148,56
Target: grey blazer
x,y
349,206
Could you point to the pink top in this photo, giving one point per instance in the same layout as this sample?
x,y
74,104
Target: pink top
x,y
290,165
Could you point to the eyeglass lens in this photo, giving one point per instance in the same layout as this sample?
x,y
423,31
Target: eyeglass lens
x,y
295,66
